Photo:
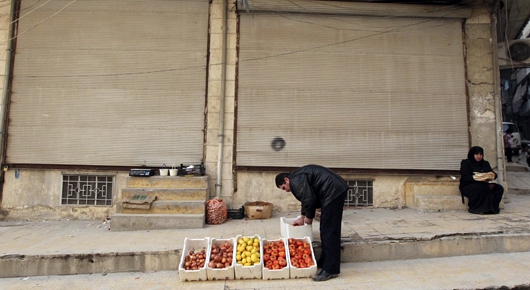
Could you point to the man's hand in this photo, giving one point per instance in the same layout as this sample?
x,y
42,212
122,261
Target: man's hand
x,y
299,221
308,221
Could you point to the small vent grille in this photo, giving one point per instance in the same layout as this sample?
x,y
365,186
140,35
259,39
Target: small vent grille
x,y
361,193
95,190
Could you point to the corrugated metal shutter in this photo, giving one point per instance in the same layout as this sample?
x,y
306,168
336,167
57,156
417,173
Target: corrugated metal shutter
x,y
109,82
351,91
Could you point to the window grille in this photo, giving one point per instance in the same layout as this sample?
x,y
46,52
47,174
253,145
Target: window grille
x,y
87,190
361,193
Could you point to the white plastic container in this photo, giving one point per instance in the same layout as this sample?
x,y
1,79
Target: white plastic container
x,y
195,245
223,273
289,231
303,272
249,272
280,273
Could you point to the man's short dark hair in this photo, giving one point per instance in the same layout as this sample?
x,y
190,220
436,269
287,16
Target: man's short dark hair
x,y
280,178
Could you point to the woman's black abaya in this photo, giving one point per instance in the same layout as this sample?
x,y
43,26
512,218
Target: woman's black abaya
x,y
483,197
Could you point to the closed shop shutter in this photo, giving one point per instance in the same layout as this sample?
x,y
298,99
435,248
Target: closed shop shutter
x,y
351,91
101,82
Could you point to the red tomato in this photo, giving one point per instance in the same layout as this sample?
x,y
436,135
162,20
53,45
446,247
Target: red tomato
x,y
299,243
281,254
266,257
282,262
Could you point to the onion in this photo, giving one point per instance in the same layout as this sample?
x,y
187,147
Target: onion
x,y
212,264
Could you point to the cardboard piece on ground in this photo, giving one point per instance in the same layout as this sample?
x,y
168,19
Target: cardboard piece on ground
x,y
258,210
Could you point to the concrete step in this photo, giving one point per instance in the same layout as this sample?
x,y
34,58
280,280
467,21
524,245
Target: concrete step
x,y
167,193
167,182
131,222
167,207
353,252
516,167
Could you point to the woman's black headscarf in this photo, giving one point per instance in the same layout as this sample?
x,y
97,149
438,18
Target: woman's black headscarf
x,y
475,150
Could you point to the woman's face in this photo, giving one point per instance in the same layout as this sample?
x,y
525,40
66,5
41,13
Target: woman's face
x,y
478,156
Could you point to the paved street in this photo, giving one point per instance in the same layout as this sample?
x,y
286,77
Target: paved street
x,y
463,272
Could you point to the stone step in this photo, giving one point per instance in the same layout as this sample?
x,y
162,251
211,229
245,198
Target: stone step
x,y
167,182
168,259
131,222
167,193
167,207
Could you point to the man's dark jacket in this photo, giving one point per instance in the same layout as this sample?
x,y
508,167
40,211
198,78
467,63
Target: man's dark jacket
x,y
315,186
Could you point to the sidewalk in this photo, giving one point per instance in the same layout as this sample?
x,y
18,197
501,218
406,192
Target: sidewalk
x,y
381,247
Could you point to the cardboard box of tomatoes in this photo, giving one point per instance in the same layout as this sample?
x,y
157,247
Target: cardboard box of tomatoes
x,y
258,210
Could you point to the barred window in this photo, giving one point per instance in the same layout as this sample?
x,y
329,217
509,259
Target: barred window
x,y
361,193
87,190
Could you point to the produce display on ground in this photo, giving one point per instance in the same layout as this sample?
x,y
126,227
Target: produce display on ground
x,y
246,257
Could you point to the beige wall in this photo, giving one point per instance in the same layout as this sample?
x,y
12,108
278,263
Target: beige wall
x,y
36,193
214,99
31,194
480,73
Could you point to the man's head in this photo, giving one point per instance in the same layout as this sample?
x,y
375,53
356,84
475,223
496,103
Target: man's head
x,y
282,181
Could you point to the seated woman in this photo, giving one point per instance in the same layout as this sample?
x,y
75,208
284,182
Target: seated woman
x,y
475,176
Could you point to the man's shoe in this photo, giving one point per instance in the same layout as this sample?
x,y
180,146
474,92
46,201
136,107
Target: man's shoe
x,y
324,276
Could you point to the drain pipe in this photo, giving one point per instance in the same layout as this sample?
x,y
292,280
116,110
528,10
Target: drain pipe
x,y
5,93
221,134
498,108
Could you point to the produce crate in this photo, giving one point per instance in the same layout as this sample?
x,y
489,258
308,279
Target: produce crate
x,y
289,231
224,273
249,272
275,274
195,245
303,272
256,210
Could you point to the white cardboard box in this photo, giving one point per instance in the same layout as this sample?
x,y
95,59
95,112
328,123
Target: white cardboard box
x,y
280,273
289,231
303,272
249,272
195,245
224,273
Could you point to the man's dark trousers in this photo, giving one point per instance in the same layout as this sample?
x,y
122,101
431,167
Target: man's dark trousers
x,y
330,234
